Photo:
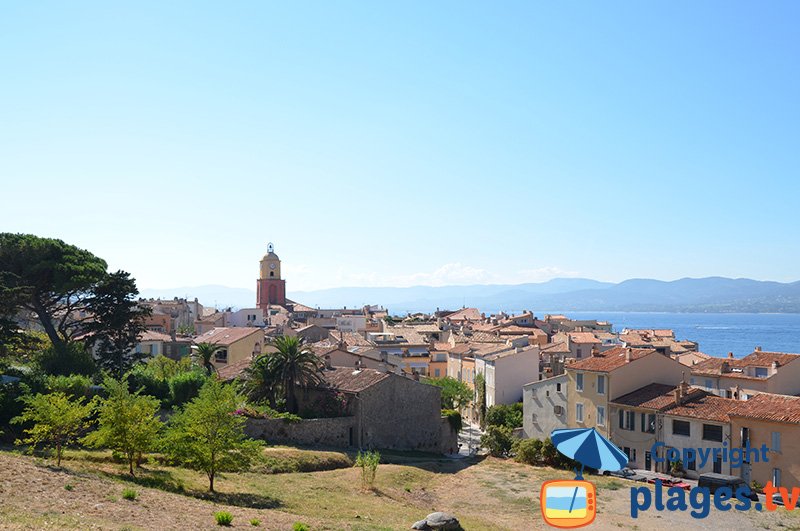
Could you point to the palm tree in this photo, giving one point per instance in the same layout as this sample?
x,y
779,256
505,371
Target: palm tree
x,y
204,356
259,381
293,366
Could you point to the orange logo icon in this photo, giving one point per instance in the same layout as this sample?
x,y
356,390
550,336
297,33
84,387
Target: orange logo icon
x,y
568,503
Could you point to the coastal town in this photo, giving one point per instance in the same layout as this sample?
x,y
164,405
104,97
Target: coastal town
x,y
637,387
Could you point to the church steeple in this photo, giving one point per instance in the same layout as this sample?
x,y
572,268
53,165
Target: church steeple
x,y
270,287
270,264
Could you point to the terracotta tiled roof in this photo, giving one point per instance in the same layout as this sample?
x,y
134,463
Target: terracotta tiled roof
x,y
761,358
351,339
652,396
152,335
723,366
517,330
350,380
461,348
583,337
442,346
486,337
472,314
691,359
697,404
228,335
508,352
233,370
769,407
611,359
297,307
705,407
560,347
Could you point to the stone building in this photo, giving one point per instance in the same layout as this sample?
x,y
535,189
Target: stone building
x,y
383,410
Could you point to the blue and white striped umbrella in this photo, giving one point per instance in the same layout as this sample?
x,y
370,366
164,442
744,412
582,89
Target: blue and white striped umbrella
x,y
589,448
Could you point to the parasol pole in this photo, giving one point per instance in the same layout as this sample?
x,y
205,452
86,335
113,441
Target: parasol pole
x,y
575,494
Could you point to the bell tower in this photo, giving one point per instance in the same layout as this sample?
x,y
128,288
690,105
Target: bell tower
x,y
270,287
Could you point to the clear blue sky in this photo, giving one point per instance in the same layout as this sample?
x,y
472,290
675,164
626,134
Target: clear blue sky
x,y
429,142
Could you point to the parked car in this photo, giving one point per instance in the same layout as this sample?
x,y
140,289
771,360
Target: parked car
x,y
672,482
625,473
714,481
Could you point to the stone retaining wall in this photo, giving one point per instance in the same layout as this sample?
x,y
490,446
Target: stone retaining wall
x,y
339,432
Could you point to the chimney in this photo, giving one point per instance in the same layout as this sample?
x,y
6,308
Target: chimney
x,y
684,386
758,348
328,364
730,355
725,367
677,393
596,351
627,355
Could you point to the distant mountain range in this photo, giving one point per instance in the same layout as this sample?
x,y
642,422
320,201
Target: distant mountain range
x,y
712,294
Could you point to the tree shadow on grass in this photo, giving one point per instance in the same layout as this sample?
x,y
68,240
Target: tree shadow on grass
x,y
239,499
164,480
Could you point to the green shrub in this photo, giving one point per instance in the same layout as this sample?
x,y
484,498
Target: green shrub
x,y
300,526
368,462
528,451
185,386
69,487
255,522
141,377
454,418
509,415
71,359
223,518
129,494
74,385
498,440
12,400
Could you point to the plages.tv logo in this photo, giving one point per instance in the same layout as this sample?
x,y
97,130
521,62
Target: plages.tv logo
x,y
572,503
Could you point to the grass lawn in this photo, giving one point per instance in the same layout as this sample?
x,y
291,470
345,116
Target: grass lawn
x,y
483,493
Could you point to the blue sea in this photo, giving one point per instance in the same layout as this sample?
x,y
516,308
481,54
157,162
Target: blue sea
x,y
717,333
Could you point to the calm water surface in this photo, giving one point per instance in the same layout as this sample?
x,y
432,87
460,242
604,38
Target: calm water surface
x,y
717,333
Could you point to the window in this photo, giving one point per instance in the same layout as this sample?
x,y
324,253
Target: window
x,y
776,441
712,432
761,372
680,427
436,372
221,355
692,465
631,453
648,423
601,384
580,353
601,416
745,438
718,465
579,412
709,384
579,382
627,420
558,388
776,477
